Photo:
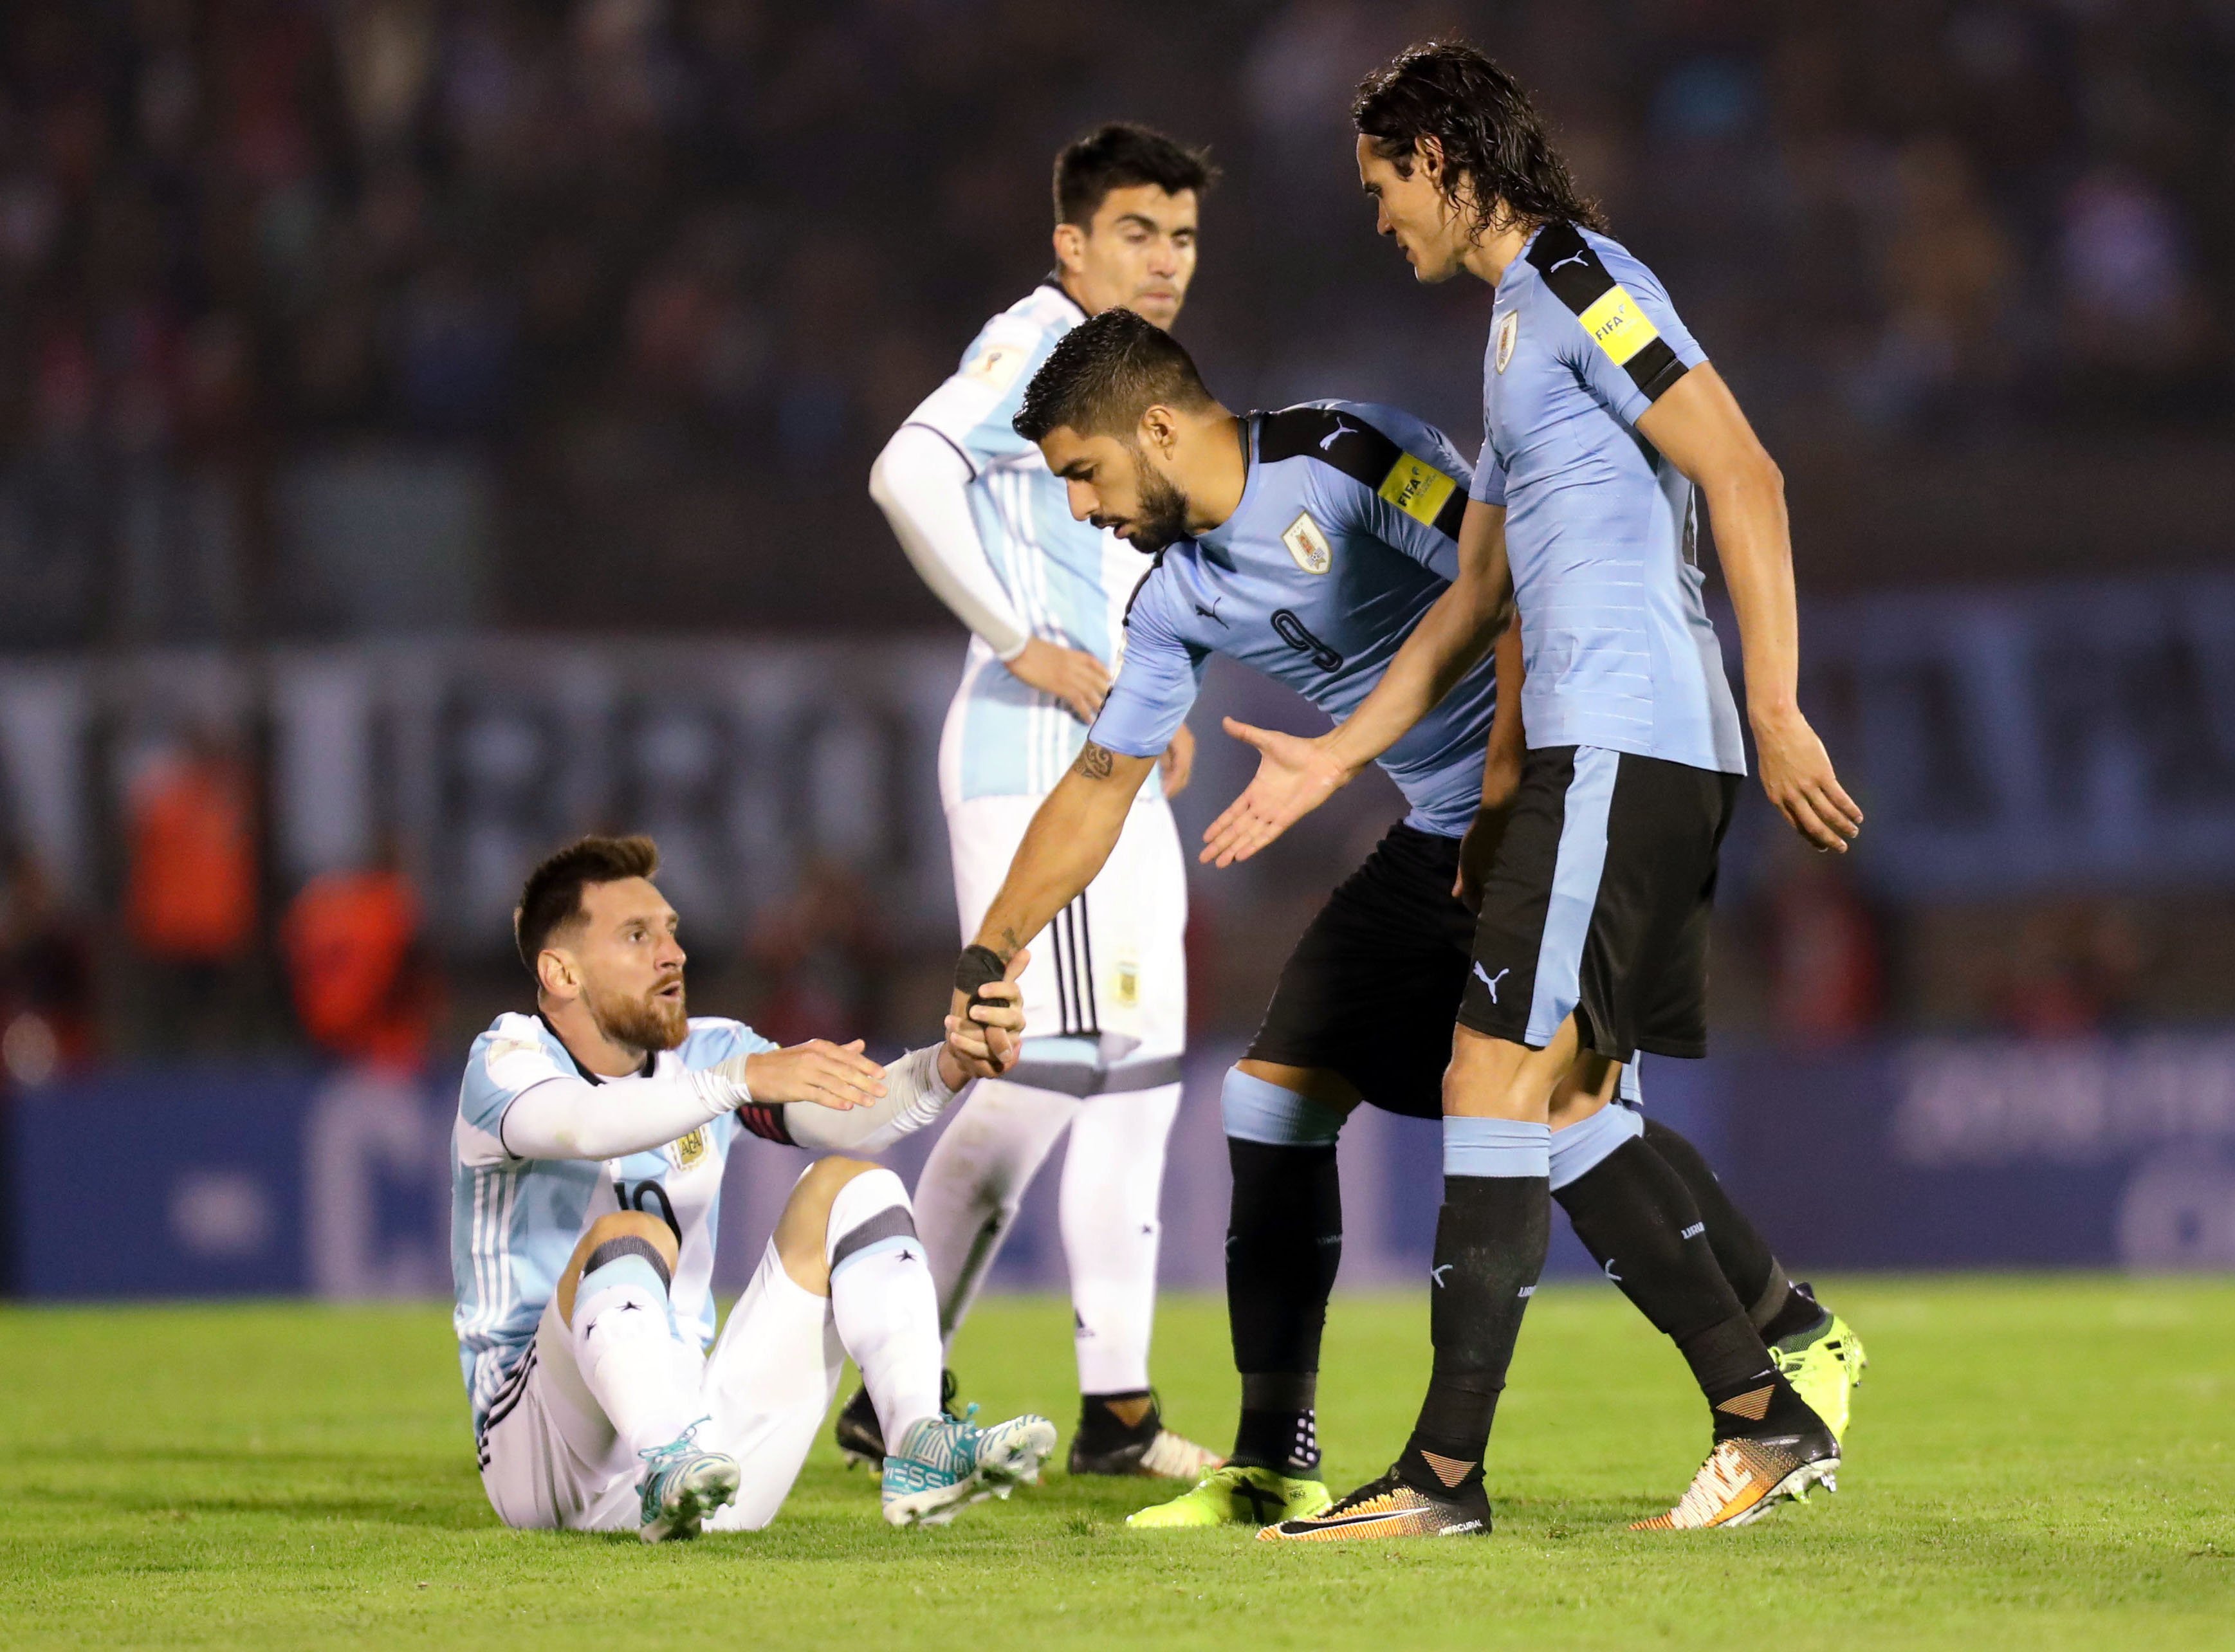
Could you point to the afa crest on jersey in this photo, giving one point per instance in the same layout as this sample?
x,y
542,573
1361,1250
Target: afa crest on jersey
x,y
689,1151
1508,329
1309,545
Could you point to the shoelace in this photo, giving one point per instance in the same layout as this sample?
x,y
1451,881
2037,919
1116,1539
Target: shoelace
x,y
682,1445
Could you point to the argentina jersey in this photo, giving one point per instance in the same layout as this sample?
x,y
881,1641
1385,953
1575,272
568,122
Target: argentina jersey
x,y
1600,530
515,1221
1067,581
1346,534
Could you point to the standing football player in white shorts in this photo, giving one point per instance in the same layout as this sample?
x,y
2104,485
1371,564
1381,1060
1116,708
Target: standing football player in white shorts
x,y
587,1171
987,526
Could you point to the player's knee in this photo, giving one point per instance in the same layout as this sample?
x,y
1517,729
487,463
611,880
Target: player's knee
x,y
803,1232
1256,1108
628,1244
1493,1078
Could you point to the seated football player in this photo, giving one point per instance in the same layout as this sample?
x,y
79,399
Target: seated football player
x,y
587,1173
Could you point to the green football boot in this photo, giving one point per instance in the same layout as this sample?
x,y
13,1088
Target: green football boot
x,y
1237,1496
1824,1364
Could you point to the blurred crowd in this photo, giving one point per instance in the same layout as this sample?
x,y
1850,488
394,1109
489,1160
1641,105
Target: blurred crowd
x,y
655,277
669,270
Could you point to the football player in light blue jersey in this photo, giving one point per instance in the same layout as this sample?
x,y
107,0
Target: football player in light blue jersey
x,y
1604,425
985,525
1307,543
587,1161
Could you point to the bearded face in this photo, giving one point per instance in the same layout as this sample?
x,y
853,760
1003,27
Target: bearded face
x,y
653,1020
1162,518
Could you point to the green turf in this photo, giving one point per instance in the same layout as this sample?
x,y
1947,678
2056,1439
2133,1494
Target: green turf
x,y
2036,1463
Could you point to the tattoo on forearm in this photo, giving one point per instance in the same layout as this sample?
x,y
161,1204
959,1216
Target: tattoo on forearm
x,y
1095,762
1009,944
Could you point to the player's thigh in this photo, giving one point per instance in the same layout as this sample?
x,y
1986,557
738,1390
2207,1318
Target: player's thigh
x,y
1131,934
1669,1002
769,1382
550,1458
1371,989
982,837
1520,982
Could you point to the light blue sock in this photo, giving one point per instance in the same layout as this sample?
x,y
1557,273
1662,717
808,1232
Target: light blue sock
x,y
1256,1110
1496,1147
1580,1148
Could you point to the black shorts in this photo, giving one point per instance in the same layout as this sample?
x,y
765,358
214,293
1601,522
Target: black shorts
x,y
1372,989
1597,902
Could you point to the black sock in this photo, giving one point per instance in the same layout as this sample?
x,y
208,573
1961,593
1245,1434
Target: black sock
x,y
1800,1312
1490,1248
1279,1426
1636,1218
1283,1246
1744,1256
1103,1429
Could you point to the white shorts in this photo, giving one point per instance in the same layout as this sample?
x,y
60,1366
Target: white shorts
x,y
1108,977
550,1459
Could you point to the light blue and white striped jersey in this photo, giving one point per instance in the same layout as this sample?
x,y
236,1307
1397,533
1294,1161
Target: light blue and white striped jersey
x,y
1067,581
1346,534
515,1221
1600,528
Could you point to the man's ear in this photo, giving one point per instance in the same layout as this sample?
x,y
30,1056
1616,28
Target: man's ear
x,y
554,973
1428,155
1069,248
1160,429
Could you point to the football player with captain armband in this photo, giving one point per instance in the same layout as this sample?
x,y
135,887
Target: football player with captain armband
x,y
587,1161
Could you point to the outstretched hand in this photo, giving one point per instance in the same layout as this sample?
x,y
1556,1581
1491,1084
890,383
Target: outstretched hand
x,y
1295,776
829,1075
1796,772
986,1035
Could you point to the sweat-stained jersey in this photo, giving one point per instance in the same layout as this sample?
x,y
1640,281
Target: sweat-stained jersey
x,y
1600,528
1067,581
515,1221
1346,534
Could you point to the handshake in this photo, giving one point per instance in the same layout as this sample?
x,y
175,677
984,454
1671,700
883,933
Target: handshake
x,y
985,1032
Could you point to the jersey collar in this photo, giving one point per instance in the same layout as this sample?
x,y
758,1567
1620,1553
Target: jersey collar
x,y
1219,540
1053,282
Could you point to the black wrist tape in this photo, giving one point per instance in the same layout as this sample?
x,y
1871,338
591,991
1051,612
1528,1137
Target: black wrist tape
x,y
978,967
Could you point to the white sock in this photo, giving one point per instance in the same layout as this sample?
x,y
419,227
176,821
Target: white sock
x,y
882,1300
633,1362
1113,1179
975,1179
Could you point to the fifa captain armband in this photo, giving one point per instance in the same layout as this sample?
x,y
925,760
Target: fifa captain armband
x,y
1607,311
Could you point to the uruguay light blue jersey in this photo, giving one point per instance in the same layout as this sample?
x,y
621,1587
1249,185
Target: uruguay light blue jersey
x,y
1066,580
1346,534
515,1221
1601,531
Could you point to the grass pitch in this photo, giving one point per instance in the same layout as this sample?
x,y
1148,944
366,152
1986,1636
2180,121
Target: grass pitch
x,y
2036,1463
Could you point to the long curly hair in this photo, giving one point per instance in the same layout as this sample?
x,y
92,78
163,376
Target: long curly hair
x,y
1491,136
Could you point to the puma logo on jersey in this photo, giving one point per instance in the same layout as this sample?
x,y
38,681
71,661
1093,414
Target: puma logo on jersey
x,y
1436,1275
1572,258
1490,980
1340,429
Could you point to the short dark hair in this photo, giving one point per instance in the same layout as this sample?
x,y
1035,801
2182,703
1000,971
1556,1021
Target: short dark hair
x,y
1118,155
1490,131
1104,374
552,898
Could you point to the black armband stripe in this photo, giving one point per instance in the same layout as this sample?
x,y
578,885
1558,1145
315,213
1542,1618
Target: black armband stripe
x,y
765,1122
1368,457
1605,309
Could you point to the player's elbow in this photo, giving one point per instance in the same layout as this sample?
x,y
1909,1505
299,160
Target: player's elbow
x,y
884,484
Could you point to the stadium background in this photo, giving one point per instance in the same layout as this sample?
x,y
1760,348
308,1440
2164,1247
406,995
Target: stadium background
x,y
430,429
